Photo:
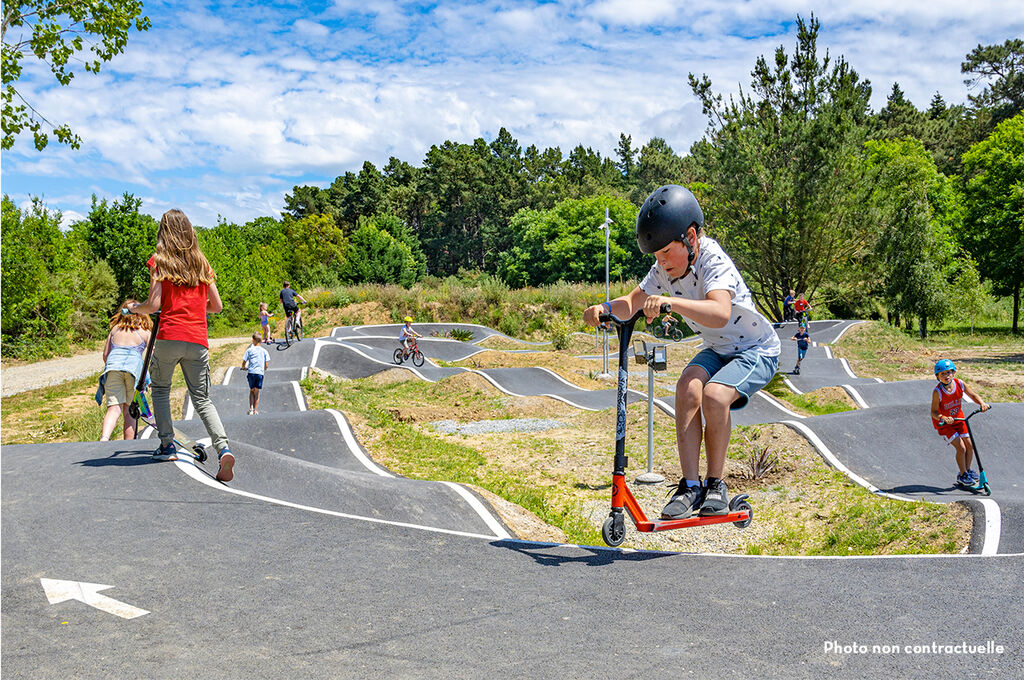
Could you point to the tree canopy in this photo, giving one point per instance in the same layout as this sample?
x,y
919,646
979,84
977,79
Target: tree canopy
x,y
59,34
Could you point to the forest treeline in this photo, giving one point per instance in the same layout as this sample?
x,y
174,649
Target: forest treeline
x,y
914,213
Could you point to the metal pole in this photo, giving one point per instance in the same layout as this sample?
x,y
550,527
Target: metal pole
x,y
607,286
650,477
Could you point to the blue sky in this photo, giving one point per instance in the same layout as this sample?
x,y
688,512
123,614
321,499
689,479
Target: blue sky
x,y
222,107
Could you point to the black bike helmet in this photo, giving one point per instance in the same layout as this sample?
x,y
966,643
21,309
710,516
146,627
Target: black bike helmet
x,y
665,216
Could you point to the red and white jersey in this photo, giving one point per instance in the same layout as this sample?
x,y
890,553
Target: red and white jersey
x,y
950,402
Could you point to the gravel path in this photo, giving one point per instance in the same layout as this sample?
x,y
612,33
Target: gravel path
x,y
17,379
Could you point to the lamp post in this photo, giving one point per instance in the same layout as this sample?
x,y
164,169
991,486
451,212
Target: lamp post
x,y
607,226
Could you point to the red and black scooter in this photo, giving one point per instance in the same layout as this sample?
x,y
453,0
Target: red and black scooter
x,y
614,529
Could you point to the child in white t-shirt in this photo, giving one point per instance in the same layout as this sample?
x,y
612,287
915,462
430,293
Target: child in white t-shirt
x,y
255,361
694,276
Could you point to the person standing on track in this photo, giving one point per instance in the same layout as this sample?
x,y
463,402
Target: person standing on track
x,y
122,364
947,398
182,287
802,338
255,362
694,276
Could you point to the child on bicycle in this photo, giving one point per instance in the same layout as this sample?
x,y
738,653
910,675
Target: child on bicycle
x,y
802,337
802,307
291,308
947,408
182,287
406,335
694,276
265,323
255,362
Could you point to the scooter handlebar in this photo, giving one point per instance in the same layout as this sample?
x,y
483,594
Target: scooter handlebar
x,y
608,316
970,415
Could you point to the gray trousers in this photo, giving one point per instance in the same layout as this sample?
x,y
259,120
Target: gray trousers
x,y
195,365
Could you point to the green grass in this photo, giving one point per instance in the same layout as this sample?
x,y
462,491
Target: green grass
x,y
805,404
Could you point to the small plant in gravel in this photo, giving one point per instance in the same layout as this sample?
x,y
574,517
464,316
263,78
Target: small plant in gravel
x,y
761,461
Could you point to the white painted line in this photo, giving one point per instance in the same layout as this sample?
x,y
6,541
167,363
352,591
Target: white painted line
x,y
842,332
354,447
828,351
317,344
227,376
299,399
189,411
788,383
856,396
778,404
189,468
492,524
879,380
993,526
563,380
846,367
835,462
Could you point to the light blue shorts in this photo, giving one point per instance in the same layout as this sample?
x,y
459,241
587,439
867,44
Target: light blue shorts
x,y
801,352
747,372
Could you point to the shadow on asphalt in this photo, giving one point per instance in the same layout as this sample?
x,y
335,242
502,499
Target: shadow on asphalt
x,y
553,554
922,488
132,458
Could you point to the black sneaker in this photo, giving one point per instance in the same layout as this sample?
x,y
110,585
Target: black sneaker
x,y
716,502
165,452
685,499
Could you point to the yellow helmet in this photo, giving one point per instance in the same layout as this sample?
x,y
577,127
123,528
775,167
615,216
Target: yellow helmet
x,y
408,319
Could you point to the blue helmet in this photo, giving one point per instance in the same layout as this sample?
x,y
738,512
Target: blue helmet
x,y
944,365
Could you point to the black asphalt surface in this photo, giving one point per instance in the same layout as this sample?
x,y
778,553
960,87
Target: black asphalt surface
x,y
317,562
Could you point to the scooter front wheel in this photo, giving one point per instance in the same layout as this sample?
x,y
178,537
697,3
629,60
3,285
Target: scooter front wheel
x,y
740,507
987,490
614,531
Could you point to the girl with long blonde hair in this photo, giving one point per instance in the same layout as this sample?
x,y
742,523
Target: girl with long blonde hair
x,y
183,288
122,364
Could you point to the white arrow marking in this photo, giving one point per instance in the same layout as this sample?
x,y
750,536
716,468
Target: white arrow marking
x,y
59,591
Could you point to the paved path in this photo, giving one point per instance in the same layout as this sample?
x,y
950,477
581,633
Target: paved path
x,y
17,379
317,562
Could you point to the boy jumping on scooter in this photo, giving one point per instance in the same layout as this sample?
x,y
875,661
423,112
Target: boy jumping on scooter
x,y
694,276
946,408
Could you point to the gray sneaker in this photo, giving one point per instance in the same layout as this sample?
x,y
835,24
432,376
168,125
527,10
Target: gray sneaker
x,y
716,501
685,499
165,452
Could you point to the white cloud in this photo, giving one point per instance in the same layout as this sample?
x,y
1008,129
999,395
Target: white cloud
x,y
200,112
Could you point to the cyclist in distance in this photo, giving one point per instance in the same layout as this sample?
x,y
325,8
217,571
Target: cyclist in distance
x,y
291,308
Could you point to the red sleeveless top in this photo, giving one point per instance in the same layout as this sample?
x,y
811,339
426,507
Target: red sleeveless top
x,y
182,311
950,404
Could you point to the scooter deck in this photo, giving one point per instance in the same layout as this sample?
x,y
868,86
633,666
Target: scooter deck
x,y
696,521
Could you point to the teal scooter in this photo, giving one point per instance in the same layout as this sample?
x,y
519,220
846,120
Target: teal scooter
x,y
982,484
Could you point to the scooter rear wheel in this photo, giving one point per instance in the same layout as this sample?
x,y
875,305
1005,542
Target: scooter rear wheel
x,y
614,531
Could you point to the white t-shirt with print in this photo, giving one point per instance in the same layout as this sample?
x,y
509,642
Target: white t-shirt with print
x,y
714,270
